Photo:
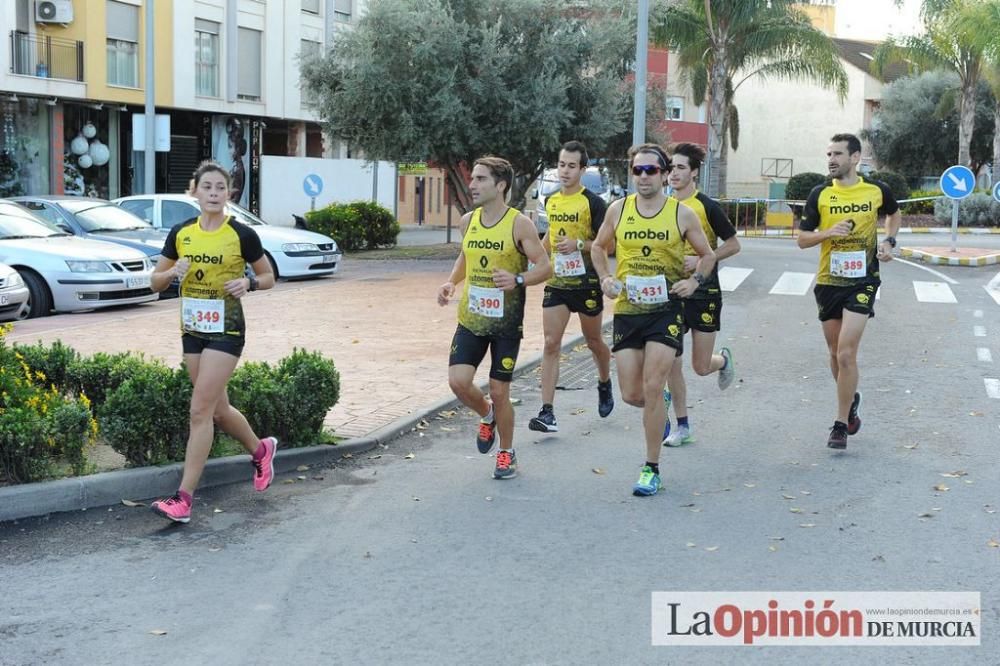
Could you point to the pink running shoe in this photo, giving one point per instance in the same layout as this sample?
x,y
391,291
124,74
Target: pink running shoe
x,y
173,508
263,469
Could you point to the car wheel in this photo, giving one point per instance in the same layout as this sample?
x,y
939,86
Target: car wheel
x,y
274,266
39,299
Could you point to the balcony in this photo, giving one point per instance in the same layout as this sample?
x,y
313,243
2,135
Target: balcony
x,y
45,56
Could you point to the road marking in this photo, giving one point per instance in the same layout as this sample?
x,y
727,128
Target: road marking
x,y
933,292
984,355
929,270
993,289
978,314
731,277
979,331
992,387
792,284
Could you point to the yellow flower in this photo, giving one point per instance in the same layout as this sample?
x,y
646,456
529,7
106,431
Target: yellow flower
x,y
40,375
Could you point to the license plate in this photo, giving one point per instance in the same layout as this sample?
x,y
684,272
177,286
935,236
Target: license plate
x,y
4,299
138,282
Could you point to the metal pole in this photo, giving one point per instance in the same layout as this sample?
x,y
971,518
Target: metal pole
x,y
641,56
375,181
954,224
150,154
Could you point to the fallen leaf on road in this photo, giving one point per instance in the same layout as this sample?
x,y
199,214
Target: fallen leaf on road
x,y
597,470
695,510
217,511
993,543
489,499
941,488
317,478
788,496
447,429
422,424
910,446
409,456
807,524
777,538
805,492
302,468
159,632
301,478
989,509
368,555
926,515
954,475
773,549
416,499
347,455
711,549
131,503
975,413
750,485
585,433
687,506
795,509
691,544
214,550
355,341
375,457
289,481
515,401
450,413
577,412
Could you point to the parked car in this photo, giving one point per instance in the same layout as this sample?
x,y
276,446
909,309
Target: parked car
x,y
65,273
13,295
594,179
293,253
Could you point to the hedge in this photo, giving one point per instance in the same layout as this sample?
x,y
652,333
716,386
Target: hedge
x,y
358,225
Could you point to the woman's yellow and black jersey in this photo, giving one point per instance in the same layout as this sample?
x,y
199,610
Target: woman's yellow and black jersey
x,y
716,225
647,247
847,260
578,215
216,258
484,309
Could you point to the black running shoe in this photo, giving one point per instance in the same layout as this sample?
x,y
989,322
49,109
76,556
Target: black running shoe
x,y
838,436
854,419
605,399
544,422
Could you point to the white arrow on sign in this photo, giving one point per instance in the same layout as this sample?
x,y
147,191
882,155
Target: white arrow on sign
x,y
959,183
314,186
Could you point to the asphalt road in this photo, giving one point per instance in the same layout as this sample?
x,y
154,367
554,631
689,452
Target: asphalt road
x,y
427,560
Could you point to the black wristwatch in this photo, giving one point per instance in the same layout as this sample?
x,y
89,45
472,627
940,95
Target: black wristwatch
x,y
891,240
699,278
253,283
519,280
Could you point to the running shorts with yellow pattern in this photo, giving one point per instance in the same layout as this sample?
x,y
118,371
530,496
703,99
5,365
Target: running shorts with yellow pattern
x,y
578,215
484,309
716,225
216,257
832,301
665,327
467,348
650,253
703,314
848,260
589,302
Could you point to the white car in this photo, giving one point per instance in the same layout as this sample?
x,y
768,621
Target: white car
x,y
13,295
65,273
293,253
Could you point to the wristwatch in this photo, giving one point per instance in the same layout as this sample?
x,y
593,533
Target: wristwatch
x,y
891,240
699,278
519,280
253,283
579,244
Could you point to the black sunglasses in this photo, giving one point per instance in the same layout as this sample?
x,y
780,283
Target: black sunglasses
x,y
649,169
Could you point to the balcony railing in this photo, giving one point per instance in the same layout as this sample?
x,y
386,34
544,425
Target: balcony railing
x,y
46,57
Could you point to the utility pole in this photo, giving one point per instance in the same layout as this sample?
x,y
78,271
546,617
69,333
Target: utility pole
x,y
150,154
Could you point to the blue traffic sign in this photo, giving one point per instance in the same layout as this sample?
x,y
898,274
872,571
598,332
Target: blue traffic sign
x,y
312,185
957,182
996,192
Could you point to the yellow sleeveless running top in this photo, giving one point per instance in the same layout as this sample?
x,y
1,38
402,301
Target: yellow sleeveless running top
x,y
646,247
486,248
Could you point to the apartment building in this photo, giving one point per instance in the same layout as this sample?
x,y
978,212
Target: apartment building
x,y
73,82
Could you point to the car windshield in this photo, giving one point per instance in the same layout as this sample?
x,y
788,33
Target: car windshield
x,y
243,215
108,217
21,224
595,181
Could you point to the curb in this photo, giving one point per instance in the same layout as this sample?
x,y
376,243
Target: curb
x,y
107,488
929,258
977,231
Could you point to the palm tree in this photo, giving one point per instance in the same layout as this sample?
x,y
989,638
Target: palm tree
x,y
722,43
983,21
955,38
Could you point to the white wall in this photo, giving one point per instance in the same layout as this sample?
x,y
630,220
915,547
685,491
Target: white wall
x,y
780,119
282,192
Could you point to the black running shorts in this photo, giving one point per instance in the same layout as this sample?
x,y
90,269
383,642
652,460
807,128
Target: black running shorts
x,y
666,327
467,348
588,302
832,301
703,314
231,344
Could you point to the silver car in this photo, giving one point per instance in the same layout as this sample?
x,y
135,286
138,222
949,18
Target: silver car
x,y
293,253
65,273
13,295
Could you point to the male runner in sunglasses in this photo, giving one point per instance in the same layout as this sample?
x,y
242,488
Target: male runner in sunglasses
x,y
649,233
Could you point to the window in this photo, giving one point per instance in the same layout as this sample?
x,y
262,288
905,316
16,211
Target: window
x,y
675,108
311,6
308,49
141,207
175,212
342,10
123,44
248,50
206,58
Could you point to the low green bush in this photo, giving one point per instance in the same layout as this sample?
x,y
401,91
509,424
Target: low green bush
x,y
358,225
920,207
52,361
96,376
896,183
145,418
801,184
976,210
289,401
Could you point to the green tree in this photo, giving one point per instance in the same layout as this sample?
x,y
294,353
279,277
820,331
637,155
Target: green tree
x,y
954,41
983,20
451,80
723,43
915,129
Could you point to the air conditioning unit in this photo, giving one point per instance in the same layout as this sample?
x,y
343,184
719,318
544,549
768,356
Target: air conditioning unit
x,y
53,11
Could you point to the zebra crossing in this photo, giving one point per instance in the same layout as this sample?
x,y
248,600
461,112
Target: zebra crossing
x,y
793,283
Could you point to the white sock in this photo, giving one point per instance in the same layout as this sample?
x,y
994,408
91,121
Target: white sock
x,y
489,415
